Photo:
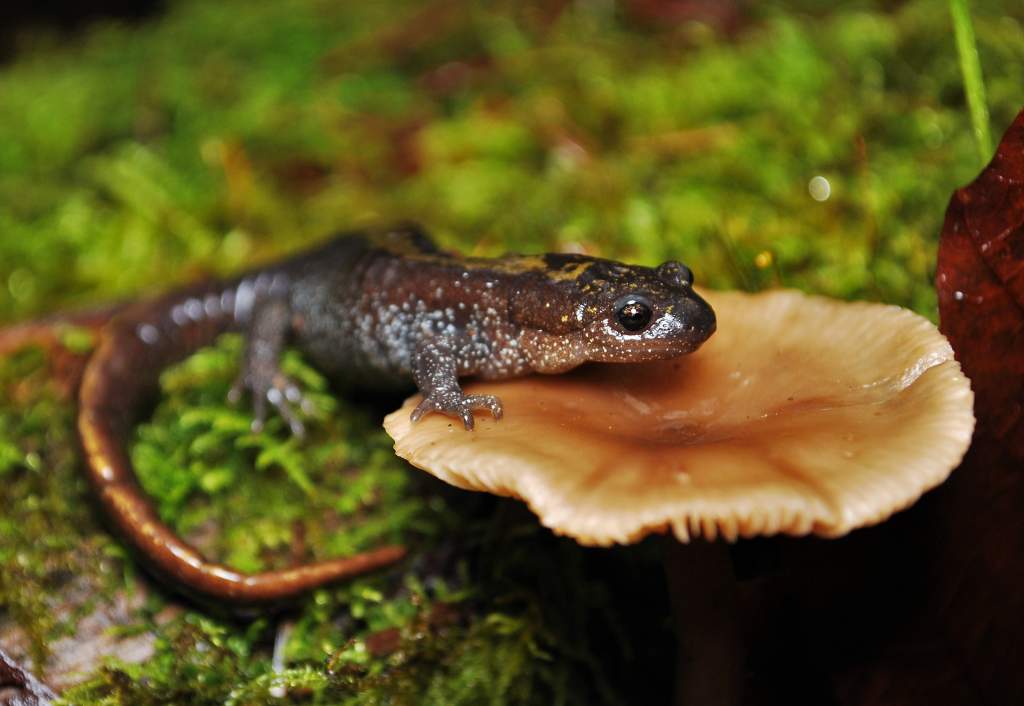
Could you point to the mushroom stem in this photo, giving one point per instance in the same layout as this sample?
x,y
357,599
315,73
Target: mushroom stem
x,y
703,595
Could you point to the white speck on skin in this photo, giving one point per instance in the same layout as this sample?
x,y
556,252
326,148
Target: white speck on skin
x,y
148,333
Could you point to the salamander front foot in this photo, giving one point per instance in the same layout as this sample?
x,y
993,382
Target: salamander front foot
x,y
456,404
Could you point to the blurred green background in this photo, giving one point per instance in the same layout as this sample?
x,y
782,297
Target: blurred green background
x,y
800,144
219,133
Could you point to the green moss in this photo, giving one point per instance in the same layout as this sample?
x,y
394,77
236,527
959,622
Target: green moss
x,y
204,466
48,538
222,134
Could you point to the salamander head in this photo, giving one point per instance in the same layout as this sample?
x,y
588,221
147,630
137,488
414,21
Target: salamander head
x,y
590,309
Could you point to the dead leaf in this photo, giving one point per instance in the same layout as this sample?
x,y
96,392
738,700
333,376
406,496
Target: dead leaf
x,y
980,283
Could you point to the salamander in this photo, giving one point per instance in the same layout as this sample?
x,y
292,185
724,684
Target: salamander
x,y
379,308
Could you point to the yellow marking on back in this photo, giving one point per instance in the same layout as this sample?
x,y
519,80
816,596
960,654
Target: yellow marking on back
x,y
571,274
521,264
510,264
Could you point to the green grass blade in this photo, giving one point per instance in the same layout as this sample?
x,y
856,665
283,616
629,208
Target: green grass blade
x,y
974,85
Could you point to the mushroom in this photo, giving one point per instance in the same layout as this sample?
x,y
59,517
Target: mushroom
x,y
802,415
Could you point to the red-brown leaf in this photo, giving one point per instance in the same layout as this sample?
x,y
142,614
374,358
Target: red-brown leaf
x,y
973,524
980,283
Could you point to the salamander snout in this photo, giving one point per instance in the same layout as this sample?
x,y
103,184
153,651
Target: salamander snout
x,y
699,317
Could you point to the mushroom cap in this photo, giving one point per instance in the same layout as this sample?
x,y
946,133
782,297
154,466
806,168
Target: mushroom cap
x,y
801,415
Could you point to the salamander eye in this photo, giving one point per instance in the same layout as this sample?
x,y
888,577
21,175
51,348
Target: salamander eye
x,y
633,313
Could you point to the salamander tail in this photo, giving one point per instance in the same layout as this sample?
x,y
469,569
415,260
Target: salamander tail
x,y
123,372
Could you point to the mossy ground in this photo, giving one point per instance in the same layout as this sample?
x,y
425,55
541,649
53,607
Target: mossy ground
x,y
222,134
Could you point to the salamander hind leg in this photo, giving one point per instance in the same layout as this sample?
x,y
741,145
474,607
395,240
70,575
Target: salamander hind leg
x,y
261,373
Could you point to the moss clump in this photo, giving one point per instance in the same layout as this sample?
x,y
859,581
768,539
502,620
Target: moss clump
x,y
338,492
49,541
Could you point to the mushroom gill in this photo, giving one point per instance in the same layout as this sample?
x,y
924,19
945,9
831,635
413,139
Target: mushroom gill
x,y
801,415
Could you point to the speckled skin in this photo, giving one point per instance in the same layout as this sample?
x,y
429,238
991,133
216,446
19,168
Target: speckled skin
x,y
380,308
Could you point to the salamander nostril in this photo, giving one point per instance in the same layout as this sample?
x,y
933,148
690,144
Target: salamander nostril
x,y
707,322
